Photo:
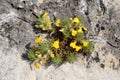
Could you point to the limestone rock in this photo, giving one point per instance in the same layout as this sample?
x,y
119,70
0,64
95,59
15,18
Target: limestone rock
x,y
101,17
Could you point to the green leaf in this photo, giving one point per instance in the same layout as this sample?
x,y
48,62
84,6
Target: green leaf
x,y
57,60
31,54
40,21
71,57
66,34
66,23
80,36
89,48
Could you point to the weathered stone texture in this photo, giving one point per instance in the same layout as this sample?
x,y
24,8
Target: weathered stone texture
x,y
101,17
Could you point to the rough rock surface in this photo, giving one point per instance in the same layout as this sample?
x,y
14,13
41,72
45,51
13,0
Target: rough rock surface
x,y
102,18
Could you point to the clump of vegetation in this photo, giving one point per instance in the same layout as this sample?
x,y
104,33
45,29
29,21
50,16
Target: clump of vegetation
x,y
66,40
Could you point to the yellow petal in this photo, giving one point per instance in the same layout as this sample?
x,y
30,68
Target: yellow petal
x,y
46,17
49,24
45,14
73,44
74,32
80,30
84,28
77,48
85,43
57,22
56,44
76,20
37,65
38,39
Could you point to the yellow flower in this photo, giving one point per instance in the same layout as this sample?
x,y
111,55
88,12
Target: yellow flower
x,y
37,65
52,55
74,32
38,39
45,14
85,43
56,44
73,44
46,17
49,24
76,20
80,30
77,48
57,22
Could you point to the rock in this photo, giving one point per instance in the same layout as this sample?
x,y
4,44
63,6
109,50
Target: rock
x,y
12,65
101,17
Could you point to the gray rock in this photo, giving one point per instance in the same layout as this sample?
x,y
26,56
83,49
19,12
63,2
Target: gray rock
x,y
101,17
